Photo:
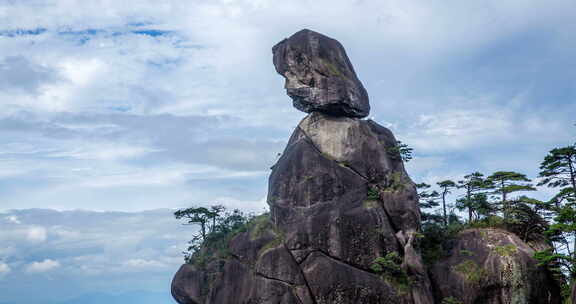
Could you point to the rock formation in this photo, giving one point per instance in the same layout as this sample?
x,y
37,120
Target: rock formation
x,y
344,216
319,75
493,266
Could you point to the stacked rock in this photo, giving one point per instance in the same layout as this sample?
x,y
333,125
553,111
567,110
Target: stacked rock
x,y
319,75
339,199
339,194
344,215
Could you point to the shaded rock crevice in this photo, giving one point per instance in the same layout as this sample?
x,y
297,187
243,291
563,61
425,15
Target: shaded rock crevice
x,y
303,276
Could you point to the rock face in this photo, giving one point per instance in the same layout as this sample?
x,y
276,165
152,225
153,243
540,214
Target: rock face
x,y
344,216
342,199
319,75
339,200
492,266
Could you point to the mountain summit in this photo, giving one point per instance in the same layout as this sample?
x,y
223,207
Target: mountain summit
x,y
344,222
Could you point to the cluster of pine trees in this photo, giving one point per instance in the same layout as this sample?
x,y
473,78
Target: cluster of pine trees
x,y
217,226
502,200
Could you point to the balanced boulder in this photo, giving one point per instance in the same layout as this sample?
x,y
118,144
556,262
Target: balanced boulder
x,y
319,75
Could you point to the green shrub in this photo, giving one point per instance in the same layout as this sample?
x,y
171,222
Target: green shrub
x,y
390,264
213,244
390,269
505,250
373,193
471,271
451,300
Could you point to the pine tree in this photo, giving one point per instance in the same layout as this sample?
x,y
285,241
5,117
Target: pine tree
x,y
473,184
428,200
558,170
507,182
445,185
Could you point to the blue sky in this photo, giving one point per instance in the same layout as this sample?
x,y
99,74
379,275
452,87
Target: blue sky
x,y
115,112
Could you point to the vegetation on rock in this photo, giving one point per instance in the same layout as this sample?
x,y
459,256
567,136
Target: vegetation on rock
x,y
217,227
390,268
489,202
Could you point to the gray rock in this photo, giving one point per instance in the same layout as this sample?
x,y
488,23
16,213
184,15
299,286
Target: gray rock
x,y
187,285
239,285
325,232
318,196
493,266
259,270
365,147
339,199
334,282
319,75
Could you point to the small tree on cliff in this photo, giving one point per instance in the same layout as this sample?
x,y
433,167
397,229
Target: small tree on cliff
x,y
445,185
204,217
558,170
400,151
505,183
474,185
428,199
217,226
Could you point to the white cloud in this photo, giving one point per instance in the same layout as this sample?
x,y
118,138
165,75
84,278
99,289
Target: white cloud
x,y
43,266
257,206
101,117
36,234
4,269
65,233
105,151
143,264
421,164
13,219
459,129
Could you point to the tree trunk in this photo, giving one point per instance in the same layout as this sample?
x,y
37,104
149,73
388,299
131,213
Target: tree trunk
x,y
444,206
203,229
469,202
504,203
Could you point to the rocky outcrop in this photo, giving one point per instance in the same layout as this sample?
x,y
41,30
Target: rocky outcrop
x,y
344,218
319,75
341,197
339,201
492,266
343,212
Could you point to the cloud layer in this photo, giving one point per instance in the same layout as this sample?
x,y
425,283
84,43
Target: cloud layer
x,y
66,254
149,104
134,105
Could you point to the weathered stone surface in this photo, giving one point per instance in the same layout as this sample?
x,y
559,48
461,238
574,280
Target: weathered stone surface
x,y
303,177
188,284
325,230
259,270
367,149
319,75
318,196
334,282
240,285
492,266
